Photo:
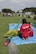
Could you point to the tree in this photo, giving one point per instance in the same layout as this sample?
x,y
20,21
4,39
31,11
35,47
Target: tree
x,y
31,9
7,10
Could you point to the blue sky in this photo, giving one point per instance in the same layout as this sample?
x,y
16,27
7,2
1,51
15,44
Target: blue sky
x,y
17,4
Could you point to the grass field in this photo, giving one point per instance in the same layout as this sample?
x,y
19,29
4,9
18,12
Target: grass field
x,y
24,49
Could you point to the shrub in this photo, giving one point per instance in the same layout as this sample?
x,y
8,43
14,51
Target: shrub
x,y
34,17
28,16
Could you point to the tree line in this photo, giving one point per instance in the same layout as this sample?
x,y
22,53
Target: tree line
x,y
5,10
31,9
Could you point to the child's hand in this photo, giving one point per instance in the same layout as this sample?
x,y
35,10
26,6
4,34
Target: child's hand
x,y
30,29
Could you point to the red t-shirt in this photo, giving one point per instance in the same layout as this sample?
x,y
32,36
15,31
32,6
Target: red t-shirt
x,y
24,30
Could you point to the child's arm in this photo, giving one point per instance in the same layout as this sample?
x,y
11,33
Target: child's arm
x,y
30,29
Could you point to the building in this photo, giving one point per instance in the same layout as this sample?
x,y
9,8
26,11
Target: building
x,y
19,13
30,14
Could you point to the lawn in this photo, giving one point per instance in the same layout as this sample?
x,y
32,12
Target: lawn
x,y
23,49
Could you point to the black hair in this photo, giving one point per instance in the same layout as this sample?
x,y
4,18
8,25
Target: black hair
x,y
24,21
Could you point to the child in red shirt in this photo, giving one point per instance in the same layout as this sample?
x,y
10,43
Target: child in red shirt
x,y
26,29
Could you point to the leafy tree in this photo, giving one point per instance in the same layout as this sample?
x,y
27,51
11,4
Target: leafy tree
x,y
31,9
7,10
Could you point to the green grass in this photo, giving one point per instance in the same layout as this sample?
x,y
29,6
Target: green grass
x,y
24,49
27,49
